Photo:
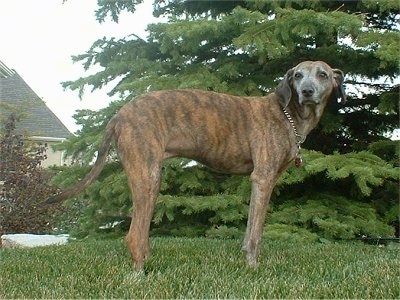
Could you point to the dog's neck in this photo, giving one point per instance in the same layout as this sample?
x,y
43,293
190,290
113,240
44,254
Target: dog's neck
x,y
299,138
305,117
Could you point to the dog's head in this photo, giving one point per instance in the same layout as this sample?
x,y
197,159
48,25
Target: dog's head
x,y
311,83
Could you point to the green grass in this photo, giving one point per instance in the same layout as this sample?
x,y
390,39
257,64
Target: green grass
x,y
201,268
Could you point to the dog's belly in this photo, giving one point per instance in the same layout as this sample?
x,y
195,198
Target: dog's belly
x,y
224,157
228,166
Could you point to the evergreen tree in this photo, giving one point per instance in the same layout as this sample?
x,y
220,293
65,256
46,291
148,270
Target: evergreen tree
x,y
243,48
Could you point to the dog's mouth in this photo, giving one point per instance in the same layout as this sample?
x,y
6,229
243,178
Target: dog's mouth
x,y
309,101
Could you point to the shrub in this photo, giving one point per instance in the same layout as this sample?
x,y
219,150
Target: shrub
x,y
24,184
224,232
332,217
291,233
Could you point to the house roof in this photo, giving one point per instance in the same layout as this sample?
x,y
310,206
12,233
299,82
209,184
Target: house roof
x,y
36,118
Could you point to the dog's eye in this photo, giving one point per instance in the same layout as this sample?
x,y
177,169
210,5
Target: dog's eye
x,y
298,75
323,74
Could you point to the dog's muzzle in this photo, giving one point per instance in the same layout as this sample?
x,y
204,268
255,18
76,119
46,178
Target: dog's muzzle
x,y
303,101
307,95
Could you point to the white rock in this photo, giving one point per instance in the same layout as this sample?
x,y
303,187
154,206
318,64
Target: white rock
x,y
32,240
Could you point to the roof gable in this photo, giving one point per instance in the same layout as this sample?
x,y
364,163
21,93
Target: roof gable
x,y
37,119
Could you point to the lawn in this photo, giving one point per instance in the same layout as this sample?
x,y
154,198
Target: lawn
x,y
201,268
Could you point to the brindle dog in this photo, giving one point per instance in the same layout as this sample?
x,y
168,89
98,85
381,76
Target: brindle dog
x,y
230,134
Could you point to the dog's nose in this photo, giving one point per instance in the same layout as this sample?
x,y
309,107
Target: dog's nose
x,y
307,92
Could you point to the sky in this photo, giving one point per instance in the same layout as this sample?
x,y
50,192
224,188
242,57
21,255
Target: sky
x,y
38,38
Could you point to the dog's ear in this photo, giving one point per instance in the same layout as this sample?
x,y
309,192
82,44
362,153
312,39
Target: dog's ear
x,y
338,77
284,89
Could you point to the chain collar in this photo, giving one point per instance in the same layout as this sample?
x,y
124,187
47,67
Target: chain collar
x,y
299,139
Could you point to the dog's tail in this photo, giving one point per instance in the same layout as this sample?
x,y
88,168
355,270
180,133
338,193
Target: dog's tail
x,y
94,172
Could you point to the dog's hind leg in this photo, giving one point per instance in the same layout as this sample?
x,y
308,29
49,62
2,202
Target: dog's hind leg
x,y
144,184
142,162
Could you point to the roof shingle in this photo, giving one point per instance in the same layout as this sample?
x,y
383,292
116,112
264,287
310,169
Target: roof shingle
x,y
38,119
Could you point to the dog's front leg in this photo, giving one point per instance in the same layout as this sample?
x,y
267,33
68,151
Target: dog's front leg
x,y
262,187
